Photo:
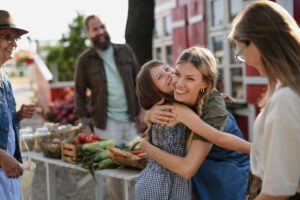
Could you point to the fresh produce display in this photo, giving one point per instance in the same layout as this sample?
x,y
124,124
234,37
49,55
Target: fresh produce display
x,y
95,156
51,148
62,110
98,146
91,152
134,158
83,138
131,155
140,153
135,143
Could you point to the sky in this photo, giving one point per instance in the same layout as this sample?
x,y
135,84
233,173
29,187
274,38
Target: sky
x,y
49,19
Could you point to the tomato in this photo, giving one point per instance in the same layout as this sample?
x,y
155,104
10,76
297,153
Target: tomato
x,y
76,141
88,140
81,137
95,137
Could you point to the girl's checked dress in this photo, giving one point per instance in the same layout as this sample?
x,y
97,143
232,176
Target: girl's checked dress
x,y
156,182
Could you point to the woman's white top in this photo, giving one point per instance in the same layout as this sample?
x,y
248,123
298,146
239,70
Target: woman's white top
x,y
275,154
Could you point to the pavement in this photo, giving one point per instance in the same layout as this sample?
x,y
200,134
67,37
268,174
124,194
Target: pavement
x,y
22,91
24,94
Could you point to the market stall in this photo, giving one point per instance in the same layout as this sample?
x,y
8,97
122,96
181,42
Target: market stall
x,y
127,175
97,158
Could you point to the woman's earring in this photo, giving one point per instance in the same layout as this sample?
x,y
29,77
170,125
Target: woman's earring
x,y
202,90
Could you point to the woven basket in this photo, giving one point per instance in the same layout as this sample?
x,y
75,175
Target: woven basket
x,y
51,150
67,132
124,158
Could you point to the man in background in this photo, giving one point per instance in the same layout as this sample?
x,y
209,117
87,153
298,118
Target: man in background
x,y
109,71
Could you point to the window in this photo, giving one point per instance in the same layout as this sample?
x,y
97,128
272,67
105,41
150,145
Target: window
x,y
158,53
231,72
233,52
237,83
218,48
162,41
234,8
216,13
169,55
158,31
236,75
220,80
167,25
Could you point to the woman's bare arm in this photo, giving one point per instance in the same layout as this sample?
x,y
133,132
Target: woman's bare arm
x,y
11,167
184,166
222,139
268,197
160,114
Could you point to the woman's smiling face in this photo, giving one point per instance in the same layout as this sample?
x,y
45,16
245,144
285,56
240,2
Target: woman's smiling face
x,y
8,43
188,84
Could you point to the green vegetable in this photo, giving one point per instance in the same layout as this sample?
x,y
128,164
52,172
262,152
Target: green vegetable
x,y
104,164
98,146
101,156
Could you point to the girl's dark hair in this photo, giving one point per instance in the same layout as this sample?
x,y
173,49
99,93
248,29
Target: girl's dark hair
x,y
146,91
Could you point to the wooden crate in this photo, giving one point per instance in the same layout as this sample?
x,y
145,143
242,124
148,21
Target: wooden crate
x,y
69,152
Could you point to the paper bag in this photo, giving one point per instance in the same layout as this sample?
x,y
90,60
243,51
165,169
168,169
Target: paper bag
x,y
27,177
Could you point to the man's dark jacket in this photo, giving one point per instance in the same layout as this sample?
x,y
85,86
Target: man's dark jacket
x,y
90,74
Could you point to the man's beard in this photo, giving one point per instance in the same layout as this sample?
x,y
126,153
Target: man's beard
x,y
103,45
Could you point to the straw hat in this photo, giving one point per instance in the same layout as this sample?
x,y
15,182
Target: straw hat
x,y
6,22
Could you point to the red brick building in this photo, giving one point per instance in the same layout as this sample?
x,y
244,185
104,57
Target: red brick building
x,y
180,24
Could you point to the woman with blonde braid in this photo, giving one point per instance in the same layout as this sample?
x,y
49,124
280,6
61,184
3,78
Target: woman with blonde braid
x,y
223,173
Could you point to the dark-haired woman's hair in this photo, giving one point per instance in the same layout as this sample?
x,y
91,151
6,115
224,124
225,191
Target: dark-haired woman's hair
x,y
276,35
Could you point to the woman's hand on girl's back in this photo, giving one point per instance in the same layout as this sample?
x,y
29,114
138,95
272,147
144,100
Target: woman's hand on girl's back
x,y
228,98
173,123
160,114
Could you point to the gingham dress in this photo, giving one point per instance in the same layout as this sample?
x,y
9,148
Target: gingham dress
x,y
156,182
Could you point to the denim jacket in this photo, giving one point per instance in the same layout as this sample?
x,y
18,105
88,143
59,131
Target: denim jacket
x,y
6,92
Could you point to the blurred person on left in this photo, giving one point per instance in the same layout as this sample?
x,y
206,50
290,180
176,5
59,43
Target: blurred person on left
x,y
10,155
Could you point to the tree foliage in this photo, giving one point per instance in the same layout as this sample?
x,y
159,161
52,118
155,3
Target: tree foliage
x,y
65,53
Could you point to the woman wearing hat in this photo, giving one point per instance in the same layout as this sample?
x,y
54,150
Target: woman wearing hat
x,y
10,156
